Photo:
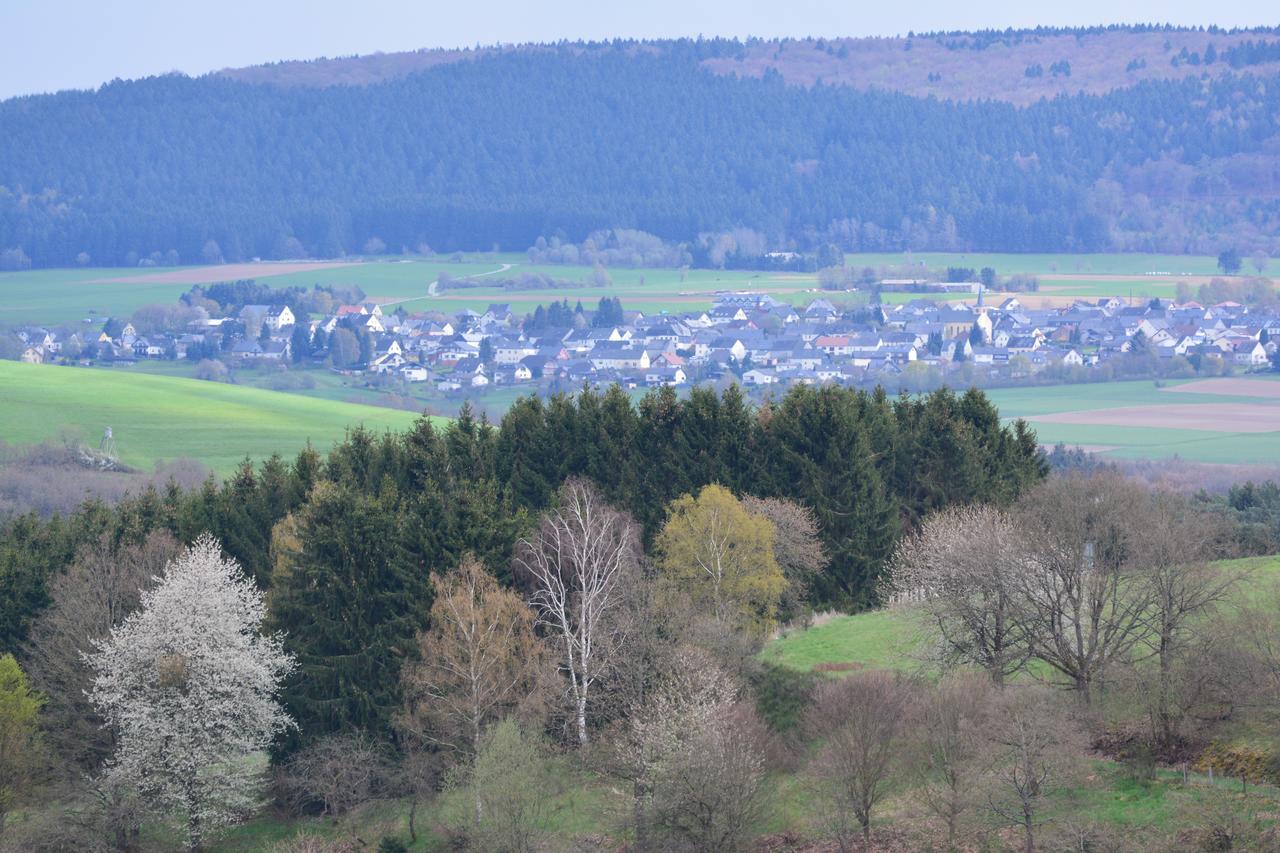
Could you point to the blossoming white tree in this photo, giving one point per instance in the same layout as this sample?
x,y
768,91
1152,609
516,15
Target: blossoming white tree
x,y
189,684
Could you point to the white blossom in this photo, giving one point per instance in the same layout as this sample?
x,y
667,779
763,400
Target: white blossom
x,y
188,682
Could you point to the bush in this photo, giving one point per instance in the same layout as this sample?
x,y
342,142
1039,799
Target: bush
x,y
781,695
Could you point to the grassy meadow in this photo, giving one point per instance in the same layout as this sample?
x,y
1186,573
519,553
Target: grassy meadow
x,y
158,418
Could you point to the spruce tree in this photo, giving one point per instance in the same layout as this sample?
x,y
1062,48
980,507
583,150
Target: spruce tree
x,y
349,602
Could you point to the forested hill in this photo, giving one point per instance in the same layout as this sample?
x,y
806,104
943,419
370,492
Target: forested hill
x,y
515,144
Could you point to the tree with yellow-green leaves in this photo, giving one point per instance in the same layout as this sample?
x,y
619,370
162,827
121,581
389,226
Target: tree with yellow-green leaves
x,y
19,738
721,556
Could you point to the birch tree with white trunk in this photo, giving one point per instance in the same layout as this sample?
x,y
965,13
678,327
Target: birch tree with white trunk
x,y
582,554
189,685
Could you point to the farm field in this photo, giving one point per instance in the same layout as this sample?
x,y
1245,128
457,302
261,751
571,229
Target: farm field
x,y
1224,420
158,418
66,296
1206,420
1116,263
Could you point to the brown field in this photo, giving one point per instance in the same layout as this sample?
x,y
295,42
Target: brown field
x,y
1090,276
1211,417
224,272
1231,387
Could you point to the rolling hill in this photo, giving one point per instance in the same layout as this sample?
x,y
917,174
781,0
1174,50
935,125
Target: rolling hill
x,y
158,418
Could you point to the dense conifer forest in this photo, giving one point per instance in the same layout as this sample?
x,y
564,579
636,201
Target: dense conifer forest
x,y
512,145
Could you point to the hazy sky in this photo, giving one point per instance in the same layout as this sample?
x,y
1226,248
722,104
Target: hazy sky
x,y
59,44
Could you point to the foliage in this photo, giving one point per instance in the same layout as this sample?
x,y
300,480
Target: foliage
x,y
189,685
715,552
479,662
348,602
512,785
19,734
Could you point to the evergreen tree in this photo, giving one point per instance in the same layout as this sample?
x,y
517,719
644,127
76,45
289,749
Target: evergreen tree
x,y
821,453
349,601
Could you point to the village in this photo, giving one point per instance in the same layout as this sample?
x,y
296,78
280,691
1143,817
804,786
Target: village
x,y
750,337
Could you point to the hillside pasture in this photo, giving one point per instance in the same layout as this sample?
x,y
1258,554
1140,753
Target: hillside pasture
x,y
160,418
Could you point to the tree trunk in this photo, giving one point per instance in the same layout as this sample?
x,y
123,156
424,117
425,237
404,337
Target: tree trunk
x,y
582,717
413,813
1084,690
1164,719
1029,837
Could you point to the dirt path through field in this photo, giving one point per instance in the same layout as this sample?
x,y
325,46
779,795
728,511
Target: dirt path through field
x,y
433,289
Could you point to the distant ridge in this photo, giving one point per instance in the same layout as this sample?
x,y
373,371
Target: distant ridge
x,y
988,64
1107,139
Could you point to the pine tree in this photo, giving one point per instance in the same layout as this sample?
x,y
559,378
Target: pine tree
x,y
349,600
822,458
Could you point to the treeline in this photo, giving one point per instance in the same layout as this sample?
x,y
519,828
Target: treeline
x,y
231,296
868,466
613,137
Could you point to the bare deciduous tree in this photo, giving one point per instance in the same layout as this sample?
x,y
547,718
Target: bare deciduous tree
x,y
1087,601
797,549
1173,544
950,749
963,568
1034,748
480,661
578,561
860,721
95,594
336,773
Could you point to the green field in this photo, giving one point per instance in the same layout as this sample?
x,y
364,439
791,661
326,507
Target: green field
x,y
157,418
1116,263
1142,442
65,296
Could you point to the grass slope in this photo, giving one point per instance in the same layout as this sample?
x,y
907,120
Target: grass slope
x,y
157,418
889,638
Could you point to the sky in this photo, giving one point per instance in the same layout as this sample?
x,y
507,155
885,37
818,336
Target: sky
x,y
76,44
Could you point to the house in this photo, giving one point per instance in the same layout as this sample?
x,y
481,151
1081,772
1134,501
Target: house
x,y
1249,353
413,373
665,376
757,376
618,355
278,317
